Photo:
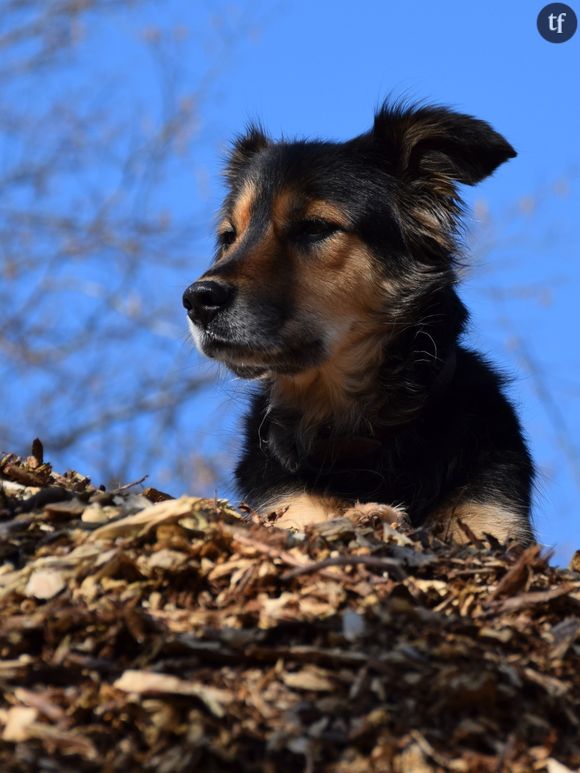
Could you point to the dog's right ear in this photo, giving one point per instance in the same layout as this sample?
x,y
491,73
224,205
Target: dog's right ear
x,y
433,143
431,149
243,149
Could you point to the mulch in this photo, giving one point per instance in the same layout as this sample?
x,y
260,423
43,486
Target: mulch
x,y
141,632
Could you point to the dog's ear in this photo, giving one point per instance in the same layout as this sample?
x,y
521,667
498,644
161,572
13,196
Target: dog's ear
x,y
436,142
243,149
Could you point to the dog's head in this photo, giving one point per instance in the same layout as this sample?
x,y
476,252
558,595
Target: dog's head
x,y
319,241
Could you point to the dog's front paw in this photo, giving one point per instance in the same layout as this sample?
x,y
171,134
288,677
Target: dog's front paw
x,y
366,511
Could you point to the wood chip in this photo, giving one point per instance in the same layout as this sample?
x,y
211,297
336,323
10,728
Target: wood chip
x,y
17,722
307,680
145,682
182,635
45,583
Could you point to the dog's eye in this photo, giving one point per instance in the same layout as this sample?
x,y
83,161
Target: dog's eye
x,y
312,231
227,237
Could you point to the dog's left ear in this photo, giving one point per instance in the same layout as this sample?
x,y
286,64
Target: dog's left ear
x,y
244,148
435,141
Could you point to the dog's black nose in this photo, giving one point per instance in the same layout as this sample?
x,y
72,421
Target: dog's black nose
x,y
204,299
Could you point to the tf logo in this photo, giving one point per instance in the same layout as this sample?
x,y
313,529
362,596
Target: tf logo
x,y
557,22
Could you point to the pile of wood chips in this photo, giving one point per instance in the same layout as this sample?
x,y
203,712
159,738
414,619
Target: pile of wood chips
x,y
140,632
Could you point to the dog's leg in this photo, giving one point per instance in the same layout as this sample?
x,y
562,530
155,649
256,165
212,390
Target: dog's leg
x,y
296,511
497,519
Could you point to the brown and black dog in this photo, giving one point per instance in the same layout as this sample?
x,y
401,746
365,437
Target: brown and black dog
x,y
334,286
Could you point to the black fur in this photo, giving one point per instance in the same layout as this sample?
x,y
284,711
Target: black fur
x,y
439,427
465,439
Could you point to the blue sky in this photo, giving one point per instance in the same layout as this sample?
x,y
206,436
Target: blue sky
x,y
318,69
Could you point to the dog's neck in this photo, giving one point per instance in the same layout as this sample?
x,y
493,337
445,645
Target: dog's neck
x,y
339,392
334,414
375,381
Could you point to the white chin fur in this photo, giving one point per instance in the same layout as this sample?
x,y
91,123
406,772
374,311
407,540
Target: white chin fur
x,y
196,335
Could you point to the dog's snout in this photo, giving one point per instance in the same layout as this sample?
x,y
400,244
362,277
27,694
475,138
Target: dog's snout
x,y
204,299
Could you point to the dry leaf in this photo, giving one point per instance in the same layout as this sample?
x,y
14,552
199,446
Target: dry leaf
x,y
17,721
308,680
142,522
45,583
146,682
553,766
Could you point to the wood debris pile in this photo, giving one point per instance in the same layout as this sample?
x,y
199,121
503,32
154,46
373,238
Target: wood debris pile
x,y
140,632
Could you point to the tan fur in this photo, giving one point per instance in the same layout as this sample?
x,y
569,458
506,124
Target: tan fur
x,y
325,210
299,510
260,266
286,202
333,390
289,204
239,219
340,289
498,520
296,511
242,210
391,514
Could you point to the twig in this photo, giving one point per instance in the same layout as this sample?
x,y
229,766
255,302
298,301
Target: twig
x,y
388,564
126,486
469,533
268,550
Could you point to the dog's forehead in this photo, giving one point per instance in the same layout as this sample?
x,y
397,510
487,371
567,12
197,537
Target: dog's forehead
x,y
288,178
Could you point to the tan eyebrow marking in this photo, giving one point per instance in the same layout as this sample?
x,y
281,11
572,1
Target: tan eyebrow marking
x,y
282,206
242,210
325,210
290,205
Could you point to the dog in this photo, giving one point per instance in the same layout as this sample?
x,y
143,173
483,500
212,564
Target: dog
x,y
334,288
